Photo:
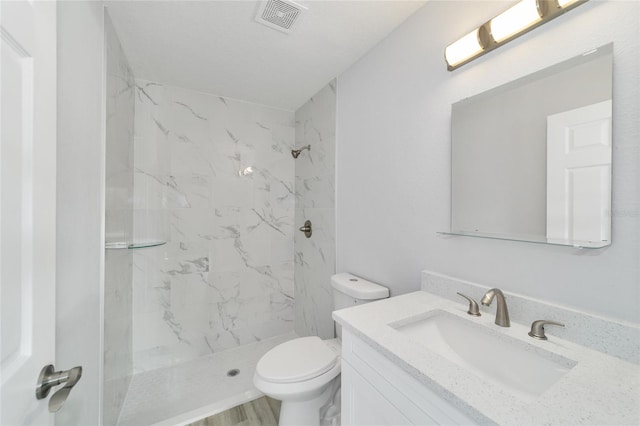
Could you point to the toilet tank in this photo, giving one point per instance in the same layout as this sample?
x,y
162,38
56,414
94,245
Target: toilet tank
x,y
349,290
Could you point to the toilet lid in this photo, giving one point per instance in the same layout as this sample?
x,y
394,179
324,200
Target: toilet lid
x,y
296,360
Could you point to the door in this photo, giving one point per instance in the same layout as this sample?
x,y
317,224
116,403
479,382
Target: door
x,y
27,205
579,174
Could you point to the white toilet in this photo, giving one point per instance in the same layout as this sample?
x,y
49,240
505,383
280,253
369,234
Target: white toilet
x,y
304,373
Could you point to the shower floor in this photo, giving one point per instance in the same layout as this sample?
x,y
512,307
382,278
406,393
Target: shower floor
x,y
195,389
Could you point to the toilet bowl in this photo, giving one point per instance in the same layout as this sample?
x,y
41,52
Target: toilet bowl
x,y
304,373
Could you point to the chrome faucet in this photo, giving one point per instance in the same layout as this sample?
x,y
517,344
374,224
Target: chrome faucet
x,y
502,314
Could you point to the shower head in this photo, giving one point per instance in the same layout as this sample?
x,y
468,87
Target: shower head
x,y
296,152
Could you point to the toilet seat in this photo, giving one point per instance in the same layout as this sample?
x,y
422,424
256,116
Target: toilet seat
x,y
297,360
304,373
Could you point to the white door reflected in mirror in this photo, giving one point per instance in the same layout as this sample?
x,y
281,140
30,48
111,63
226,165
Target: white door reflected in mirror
x,y
579,174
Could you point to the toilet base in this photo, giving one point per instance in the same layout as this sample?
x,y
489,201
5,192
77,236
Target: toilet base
x,y
308,413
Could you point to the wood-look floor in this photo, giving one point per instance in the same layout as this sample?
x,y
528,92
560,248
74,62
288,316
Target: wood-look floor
x,y
263,411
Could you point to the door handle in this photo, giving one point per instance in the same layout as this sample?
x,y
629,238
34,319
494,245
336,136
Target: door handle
x,y
49,378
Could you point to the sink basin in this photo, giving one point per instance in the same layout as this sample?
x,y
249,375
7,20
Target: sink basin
x,y
524,369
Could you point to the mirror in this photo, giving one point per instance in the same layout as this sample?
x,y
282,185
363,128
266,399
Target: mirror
x,y
531,159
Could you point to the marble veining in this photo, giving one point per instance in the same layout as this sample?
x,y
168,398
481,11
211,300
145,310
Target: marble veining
x,y
315,200
214,178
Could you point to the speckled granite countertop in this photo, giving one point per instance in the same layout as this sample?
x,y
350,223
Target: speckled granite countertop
x,y
598,390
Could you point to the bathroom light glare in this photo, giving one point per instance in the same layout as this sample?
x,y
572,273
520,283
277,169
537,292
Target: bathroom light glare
x,y
565,3
515,21
246,171
463,49
519,17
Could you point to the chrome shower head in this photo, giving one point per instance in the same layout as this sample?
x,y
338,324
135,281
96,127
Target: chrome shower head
x,y
296,152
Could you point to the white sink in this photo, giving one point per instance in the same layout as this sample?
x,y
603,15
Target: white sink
x,y
524,369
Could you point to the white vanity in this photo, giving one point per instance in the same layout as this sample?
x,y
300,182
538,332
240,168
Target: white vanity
x,y
376,391
421,359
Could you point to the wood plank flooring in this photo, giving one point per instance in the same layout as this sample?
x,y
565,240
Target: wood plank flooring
x,y
263,411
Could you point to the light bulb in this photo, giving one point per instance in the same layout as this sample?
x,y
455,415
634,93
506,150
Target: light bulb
x,y
463,49
565,3
513,20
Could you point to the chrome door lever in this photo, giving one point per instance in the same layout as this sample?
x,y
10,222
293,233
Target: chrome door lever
x,y
49,378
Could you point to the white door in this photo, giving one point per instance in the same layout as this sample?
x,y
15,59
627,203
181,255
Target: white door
x,y
27,205
579,174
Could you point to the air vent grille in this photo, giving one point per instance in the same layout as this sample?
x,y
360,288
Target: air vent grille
x,y
279,14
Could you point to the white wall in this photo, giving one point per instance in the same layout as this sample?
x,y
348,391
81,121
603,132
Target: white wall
x,y
80,205
393,167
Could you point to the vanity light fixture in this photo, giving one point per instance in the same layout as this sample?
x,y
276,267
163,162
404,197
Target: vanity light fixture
x,y
468,46
513,22
516,19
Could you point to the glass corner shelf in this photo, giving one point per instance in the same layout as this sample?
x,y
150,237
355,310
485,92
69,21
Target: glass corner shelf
x,y
531,239
134,245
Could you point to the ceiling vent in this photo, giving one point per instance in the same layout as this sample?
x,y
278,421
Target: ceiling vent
x,y
281,15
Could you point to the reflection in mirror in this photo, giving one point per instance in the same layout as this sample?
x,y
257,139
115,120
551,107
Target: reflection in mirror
x,y
531,160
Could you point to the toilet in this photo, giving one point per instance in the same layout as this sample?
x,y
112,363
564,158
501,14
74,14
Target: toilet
x,y
304,373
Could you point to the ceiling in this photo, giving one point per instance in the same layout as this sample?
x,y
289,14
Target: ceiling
x,y
217,47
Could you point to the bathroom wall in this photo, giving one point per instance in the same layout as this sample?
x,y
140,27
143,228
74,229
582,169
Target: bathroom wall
x,y
315,201
80,206
393,151
118,291
214,178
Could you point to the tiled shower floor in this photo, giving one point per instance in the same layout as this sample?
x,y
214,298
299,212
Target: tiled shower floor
x,y
192,390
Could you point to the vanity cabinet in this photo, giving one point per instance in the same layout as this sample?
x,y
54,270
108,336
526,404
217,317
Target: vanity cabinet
x,y
375,391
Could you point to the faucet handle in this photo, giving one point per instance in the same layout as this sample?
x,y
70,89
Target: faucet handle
x,y
537,328
473,306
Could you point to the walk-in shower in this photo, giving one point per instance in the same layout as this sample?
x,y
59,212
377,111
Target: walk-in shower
x,y
211,178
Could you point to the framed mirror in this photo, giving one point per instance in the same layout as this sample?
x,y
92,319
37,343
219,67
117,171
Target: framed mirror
x,y
531,159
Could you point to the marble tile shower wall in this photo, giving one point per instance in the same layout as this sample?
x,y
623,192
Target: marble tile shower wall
x,y
118,350
214,177
315,200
